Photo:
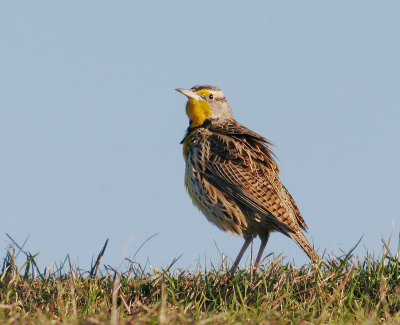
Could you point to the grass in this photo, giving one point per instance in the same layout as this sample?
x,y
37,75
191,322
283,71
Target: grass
x,y
344,291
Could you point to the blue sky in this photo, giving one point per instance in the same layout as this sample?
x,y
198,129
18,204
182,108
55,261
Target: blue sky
x,y
90,123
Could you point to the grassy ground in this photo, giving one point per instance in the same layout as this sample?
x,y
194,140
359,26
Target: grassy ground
x,y
344,291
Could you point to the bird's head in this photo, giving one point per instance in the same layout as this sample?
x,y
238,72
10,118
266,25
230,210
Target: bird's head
x,y
206,103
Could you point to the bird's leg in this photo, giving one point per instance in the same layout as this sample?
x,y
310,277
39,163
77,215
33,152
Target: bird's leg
x,y
246,244
264,241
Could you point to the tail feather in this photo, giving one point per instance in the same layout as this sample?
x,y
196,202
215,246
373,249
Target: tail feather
x,y
302,241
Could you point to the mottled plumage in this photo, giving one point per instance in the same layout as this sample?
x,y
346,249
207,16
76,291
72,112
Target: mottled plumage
x,y
232,177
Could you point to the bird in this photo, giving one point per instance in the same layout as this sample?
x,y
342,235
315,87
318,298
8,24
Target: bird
x,y
232,177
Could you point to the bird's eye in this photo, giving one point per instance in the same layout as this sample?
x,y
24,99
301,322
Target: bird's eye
x,y
211,96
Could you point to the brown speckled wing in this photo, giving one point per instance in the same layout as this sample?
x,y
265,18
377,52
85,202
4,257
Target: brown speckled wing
x,y
297,213
241,165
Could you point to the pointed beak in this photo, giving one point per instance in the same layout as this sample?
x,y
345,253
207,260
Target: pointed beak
x,y
189,93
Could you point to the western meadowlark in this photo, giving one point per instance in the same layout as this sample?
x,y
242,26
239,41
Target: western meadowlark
x,y
232,177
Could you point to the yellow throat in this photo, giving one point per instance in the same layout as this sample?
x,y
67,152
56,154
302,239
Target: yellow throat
x,y
198,111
